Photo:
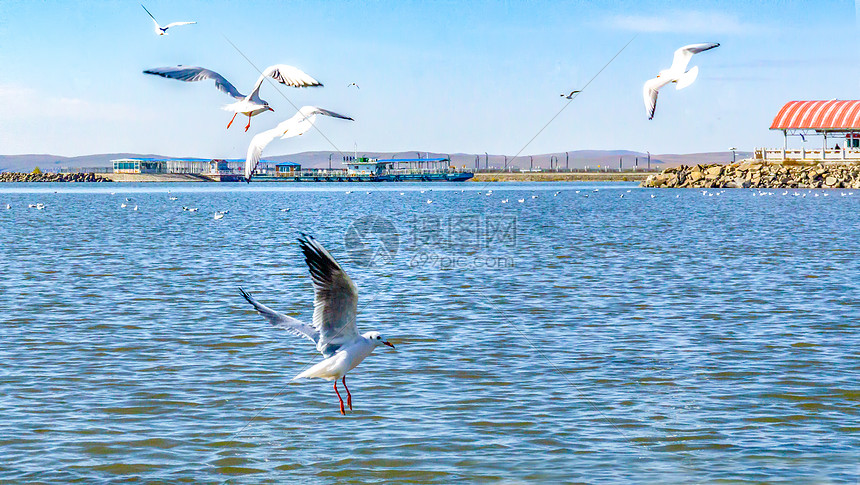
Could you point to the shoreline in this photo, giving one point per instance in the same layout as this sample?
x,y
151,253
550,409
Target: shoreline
x,y
10,177
560,177
13,177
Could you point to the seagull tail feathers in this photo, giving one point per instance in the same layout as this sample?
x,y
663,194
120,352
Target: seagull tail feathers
x,y
687,78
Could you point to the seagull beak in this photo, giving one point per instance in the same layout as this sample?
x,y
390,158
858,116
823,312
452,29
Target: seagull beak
x,y
388,344
269,108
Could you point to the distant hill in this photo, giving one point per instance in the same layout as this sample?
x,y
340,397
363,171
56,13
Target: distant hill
x,y
320,159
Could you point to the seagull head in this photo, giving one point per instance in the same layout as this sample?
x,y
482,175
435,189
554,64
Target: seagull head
x,y
377,339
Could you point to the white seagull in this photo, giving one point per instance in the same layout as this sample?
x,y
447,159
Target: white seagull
x,y
250,105
333,327
300,123
353,84
571,95
675,74
163,30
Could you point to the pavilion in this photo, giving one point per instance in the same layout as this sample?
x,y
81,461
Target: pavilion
x,y
836,120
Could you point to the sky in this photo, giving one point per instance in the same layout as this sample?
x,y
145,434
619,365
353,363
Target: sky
x,y
440,76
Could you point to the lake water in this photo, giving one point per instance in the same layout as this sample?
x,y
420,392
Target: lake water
x,y
602,339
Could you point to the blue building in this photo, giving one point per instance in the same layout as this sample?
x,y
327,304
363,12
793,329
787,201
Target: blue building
x,y
286,169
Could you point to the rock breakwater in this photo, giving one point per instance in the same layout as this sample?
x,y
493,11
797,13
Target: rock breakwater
x,y
752,174
51,177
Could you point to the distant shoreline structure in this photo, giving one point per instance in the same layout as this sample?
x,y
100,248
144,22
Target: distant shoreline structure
x,y
15,177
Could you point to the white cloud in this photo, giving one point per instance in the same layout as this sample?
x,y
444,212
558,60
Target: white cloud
x,y
28,103
683,22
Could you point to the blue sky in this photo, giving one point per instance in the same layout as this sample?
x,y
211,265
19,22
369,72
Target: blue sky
x,y
437,76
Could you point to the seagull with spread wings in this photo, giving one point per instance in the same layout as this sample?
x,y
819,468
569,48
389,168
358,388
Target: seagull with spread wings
x,y
163,30
676,74
250,105
299,124
333,327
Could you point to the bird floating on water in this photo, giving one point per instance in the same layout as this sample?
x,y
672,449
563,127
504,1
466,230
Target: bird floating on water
x,y
163,30
299,124
218,216
333,328
250,105
675,74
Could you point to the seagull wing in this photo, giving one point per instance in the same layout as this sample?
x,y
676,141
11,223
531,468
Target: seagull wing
x,y
649,94
284,74
684,54
282,321
303,121
157,27
335,298
255,149
193,73
175,24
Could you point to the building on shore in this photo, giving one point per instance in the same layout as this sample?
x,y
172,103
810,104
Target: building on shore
x,y
195,166
286,169
837,122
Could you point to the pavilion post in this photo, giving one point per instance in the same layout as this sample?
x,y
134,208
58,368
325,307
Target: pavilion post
x,y
824,147
784,143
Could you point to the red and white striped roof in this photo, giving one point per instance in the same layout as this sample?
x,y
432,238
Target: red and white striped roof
x,y
834,115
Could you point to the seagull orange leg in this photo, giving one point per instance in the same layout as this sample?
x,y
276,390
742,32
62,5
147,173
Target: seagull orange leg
x,y
249,123
339,398
231,120
348,395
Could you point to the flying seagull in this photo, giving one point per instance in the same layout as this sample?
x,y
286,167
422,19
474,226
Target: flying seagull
x,y
163,30
300,123
570,96
675,74
352,84
251,104
333,327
